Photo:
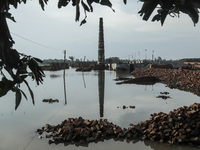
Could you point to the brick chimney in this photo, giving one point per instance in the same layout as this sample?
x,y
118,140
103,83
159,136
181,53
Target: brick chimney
x,y
101,56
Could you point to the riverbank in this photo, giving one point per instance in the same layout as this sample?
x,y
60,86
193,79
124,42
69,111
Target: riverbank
x,y
182,79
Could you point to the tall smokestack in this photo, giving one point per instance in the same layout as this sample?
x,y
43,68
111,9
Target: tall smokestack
x,y
101,56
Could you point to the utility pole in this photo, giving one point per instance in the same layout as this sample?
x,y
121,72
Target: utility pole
x,y
145,54
64,58
152,55
139,56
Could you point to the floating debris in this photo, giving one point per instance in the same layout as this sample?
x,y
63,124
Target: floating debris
x,y
132,107
140,80
163,97
50,100
121,78
165,93
125,107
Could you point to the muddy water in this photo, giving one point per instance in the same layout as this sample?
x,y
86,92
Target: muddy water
x,y
92,95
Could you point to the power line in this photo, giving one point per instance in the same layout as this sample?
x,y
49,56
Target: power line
x,y
41,44
35,42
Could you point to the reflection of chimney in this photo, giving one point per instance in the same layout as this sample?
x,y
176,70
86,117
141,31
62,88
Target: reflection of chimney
x,y
101,43
101,82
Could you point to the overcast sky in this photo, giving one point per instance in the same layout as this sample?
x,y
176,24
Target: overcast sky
x,y
126,35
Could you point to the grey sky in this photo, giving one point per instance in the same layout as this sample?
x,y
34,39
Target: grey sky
x,y
125,33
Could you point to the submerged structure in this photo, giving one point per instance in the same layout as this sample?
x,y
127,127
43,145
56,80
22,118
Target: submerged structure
x,y
101,56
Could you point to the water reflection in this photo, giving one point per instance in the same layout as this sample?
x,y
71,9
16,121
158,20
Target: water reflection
x,y
20,127
65,94
119,143
101,86
54,76
83,79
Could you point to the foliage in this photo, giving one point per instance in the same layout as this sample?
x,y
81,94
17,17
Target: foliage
x,y
72,58
189,60
113,60
163,7
170,7
12,62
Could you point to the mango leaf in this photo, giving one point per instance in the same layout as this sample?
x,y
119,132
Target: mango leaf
x,y
5,86
147,8
192,12
42,3
38,60
85,6
23,94
77,10
18,98
164,14
63,3
90,5
24,1
83,22
9,16
31,92
106,3
73,2
156,17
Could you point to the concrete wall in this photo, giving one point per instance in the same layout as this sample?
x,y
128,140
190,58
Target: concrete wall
x,y
116,66
176,66
127,67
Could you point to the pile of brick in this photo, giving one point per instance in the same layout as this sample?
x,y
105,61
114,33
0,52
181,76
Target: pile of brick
x,y
163,66
82,130
183,79
181,125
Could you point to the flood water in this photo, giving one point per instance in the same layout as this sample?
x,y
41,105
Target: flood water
x,y
91,95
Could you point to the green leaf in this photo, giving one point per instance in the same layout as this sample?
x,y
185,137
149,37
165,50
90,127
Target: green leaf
x,y
83,22
38,60
24,1
163,16
85,6
106,3
90,5
5,86
23,94
73,2
147,8
9,16
156,17
77,10
192,12
63,3
41,4
23,76
31,92
18,98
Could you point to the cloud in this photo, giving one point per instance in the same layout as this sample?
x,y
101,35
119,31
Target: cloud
x,y
125,32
